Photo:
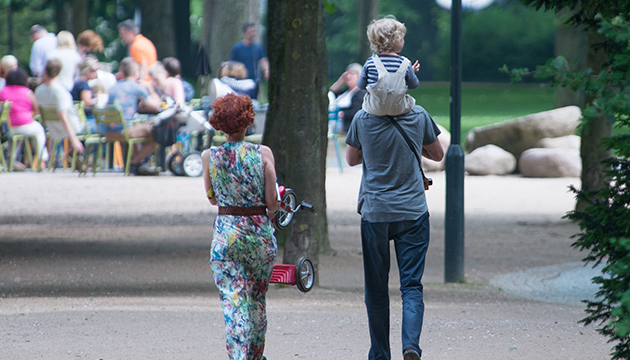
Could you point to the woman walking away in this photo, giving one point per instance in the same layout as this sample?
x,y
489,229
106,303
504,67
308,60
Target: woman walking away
x,y
240,178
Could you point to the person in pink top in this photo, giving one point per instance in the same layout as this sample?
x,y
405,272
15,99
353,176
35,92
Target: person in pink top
x,y
23,106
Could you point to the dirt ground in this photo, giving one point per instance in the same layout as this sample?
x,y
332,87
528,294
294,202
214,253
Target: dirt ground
x,y
112,267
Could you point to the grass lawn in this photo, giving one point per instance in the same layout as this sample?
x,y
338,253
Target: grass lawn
x,y
483,103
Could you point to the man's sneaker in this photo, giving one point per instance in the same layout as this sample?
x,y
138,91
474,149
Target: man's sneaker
x,y
147,170
411,354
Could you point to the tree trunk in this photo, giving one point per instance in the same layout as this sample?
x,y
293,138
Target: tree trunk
x,y
157,25
297,120
181,21
62,15
80,16
368,10
593,132
572,43
223,20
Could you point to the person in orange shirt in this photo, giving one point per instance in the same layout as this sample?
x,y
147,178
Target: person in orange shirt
x,y
141,49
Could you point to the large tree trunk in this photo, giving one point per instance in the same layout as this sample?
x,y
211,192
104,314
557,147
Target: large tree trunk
x,y
181,22
593,131
80,16
62,15
572,43
223,20
297,120
157,25
368,10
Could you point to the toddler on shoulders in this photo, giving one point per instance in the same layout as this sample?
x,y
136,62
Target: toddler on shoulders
x,y
386,75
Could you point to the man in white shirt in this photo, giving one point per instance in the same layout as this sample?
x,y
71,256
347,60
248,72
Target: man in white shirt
x,y
43,42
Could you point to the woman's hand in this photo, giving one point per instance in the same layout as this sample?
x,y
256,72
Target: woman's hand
x,y
271,196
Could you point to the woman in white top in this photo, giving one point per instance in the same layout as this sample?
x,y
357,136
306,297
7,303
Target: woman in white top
x,y
67,53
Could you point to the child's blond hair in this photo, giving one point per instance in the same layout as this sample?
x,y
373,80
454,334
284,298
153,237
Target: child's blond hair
x,y
384,34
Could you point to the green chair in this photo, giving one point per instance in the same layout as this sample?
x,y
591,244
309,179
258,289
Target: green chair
x,y
49,115
88,138
15,139
110,115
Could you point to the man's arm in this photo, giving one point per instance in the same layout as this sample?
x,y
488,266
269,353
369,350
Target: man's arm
x,y
354,156
433,151
264,65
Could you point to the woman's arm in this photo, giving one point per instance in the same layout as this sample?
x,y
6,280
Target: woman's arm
x,y
241,85
271,196
74,140
207,181
87,96
35,108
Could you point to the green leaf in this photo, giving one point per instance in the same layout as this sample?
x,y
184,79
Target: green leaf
x,y
329,6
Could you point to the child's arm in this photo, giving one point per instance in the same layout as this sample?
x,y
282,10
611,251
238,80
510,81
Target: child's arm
x,y
412,79
362,82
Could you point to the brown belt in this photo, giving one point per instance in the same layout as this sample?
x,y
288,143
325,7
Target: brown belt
x,y
242,210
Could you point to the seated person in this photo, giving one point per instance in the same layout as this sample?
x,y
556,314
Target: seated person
x,y
51,94
349,98
23,105
7,63
132,98
234,75
174,69
169,86
82,90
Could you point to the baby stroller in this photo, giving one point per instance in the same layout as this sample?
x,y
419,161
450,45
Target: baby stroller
x,y
193,136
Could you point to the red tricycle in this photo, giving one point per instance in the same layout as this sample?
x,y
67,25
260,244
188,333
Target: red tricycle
x,y
302,273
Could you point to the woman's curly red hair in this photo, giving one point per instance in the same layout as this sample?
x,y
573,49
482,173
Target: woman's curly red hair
x,y
232,113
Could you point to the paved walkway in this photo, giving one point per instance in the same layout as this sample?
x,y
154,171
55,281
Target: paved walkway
x,y
113,267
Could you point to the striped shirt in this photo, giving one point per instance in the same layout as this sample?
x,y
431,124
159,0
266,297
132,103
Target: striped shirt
x,y
369,74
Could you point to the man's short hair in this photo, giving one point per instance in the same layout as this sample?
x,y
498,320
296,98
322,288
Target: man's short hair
x,y
247,25
128,66
53,68
37,29
128,25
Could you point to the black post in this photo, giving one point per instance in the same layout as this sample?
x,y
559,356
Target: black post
x,y
454,217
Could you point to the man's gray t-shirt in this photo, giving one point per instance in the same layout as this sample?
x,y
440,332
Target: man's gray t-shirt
x,y
392,188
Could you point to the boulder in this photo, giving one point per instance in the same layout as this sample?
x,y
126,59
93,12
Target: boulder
x,y
445,141
489,160
522,133
541,162
563,142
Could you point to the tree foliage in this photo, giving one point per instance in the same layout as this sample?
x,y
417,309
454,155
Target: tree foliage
x,y
504,33
605,220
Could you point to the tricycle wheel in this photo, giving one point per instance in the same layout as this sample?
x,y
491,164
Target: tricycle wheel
x,y
283,217
304,274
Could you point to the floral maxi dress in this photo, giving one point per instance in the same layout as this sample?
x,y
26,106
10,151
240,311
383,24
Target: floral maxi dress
x,y
243,248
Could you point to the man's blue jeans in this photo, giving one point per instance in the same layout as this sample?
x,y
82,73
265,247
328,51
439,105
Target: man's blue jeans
x,y
411,241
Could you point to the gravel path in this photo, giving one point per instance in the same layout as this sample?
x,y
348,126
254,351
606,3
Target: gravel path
x,y
109,267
